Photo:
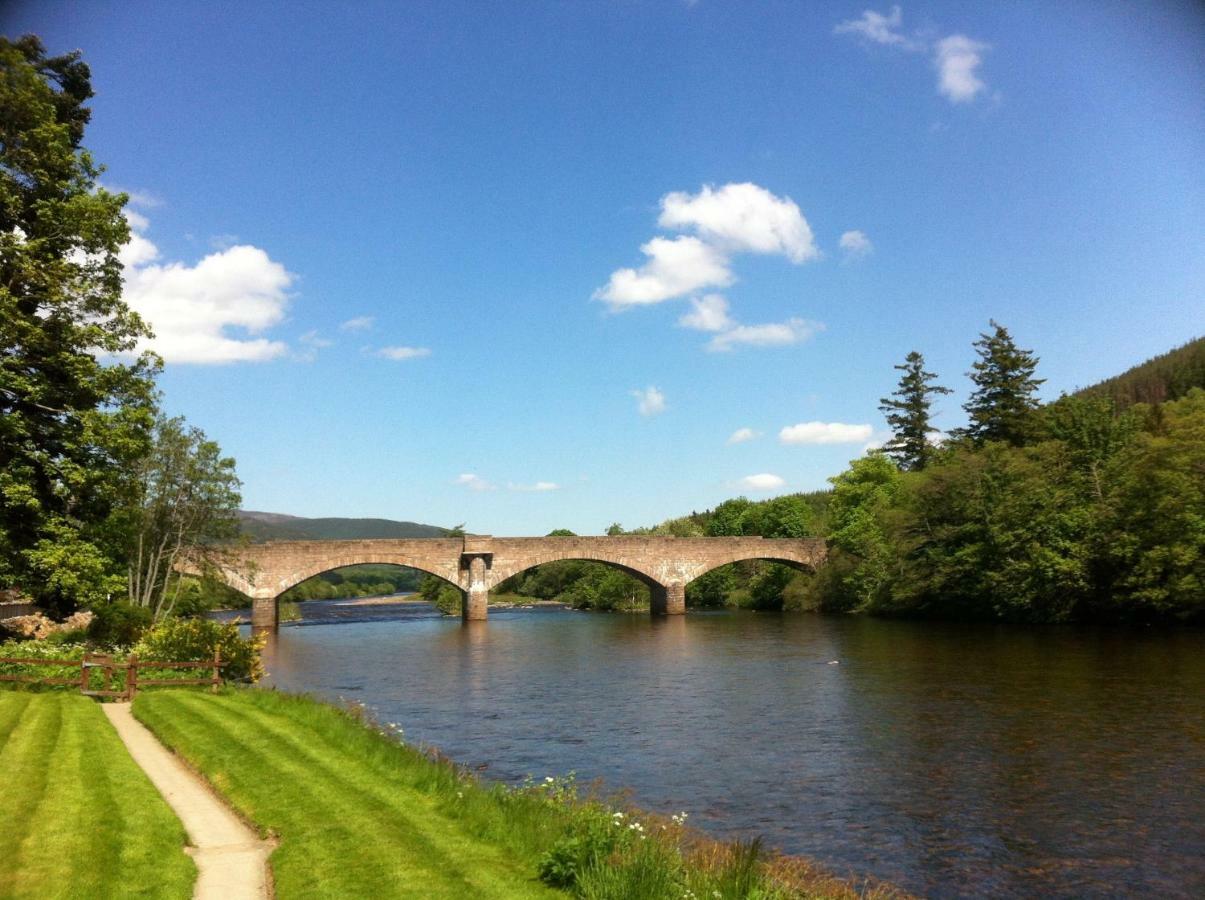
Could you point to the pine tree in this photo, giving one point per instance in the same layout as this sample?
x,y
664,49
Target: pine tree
x,y
907,412
1002,405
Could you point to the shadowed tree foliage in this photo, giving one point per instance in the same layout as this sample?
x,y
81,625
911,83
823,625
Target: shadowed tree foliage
x,y
1002,406
908,413
75,408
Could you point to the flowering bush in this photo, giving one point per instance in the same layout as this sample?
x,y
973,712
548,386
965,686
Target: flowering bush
x,y
188,640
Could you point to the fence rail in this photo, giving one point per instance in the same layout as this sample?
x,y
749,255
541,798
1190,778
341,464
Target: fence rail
x,y
107,667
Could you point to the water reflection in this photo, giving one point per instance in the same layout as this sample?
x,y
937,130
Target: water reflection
x,y
954,760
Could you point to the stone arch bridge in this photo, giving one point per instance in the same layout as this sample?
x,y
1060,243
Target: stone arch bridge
x,y
477,563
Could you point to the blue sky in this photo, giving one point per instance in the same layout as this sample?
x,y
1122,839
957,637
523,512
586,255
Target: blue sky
x,y
383,245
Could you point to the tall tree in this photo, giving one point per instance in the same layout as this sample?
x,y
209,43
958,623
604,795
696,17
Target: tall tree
x,y
75,409
188,495
1003,403
908,413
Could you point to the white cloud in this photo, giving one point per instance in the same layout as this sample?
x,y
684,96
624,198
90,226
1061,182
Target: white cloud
x,y
957,57
741,435
676,266
400,353
825,433
359,323
538,487
649,402
741,218
312,339
879,28
311,343
474,482
773,334
709,313
189,308
762,482
856,245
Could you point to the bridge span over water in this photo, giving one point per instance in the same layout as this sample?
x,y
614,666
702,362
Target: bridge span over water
x,y
477,563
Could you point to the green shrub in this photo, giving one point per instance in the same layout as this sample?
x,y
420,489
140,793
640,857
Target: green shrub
x,y
188,640
118,624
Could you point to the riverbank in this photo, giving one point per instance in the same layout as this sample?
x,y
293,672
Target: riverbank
x,y
358,813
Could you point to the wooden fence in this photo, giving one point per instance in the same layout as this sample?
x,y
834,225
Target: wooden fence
x,y
106,666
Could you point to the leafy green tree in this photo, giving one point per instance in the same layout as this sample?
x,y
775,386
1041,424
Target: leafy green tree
x,y
999,533
70,423
730,518
183,513
1002,406
561,532
908,413
614,529
1093,430
861,551
1153,540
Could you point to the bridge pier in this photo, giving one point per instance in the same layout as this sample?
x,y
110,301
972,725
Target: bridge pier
x,y
264,612
474,606
668,600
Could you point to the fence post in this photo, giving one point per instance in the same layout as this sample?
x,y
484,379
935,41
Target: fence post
x,y
217,665
83,674
132,677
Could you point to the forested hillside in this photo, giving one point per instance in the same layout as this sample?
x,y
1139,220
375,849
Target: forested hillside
x,y
262,526
1169,376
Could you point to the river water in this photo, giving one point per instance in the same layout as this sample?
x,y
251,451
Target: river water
x,y
952,760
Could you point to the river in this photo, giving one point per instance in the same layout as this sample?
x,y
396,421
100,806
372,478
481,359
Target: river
x,y
952,760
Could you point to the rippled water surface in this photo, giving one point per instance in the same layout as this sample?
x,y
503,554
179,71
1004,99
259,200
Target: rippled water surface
x,y
951,760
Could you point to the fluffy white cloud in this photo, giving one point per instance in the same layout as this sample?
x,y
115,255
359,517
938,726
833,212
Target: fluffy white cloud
x,y
400,353
741,218
879,28
825,433
772,334
709,313
359,323
762,482
676,266
649,402
856,245
538,487
474,482
957,57
190,307
741,435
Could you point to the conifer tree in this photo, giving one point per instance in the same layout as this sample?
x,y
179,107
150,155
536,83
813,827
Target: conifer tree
x,y
1002,405
907,412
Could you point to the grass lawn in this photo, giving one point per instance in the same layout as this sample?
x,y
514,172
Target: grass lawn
x,y
357,813
78,818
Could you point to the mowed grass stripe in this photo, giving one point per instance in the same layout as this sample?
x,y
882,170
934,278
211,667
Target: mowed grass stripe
x,y
78,818
436,843
441,838
329,787
323,824
25,764
59,862
12,707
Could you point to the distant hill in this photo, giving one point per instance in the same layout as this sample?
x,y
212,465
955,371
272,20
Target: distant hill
x,y
1166,377
266,526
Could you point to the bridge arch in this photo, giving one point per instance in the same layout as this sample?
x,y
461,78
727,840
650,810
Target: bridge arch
x,y
799,564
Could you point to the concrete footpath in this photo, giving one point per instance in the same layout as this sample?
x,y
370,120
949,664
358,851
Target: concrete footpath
x,y
232,862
